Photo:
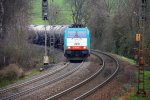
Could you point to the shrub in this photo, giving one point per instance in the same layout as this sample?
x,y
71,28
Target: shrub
x,y
11,72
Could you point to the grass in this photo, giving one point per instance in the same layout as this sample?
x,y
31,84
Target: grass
x,y
138,98
37,12
130,61
36,15
147,80
147,88
32,73
6,82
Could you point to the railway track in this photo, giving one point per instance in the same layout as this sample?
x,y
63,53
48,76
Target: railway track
x,y
83,89
24,88
17,85
78,89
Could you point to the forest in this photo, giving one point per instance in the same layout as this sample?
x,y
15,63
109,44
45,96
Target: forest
x,y
112,23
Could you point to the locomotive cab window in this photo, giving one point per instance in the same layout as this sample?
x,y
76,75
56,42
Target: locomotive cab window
x,y
74,34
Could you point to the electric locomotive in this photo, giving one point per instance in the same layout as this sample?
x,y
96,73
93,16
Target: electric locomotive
x,y
76,42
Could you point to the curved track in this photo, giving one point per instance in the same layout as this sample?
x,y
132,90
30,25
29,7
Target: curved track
x,y
10,93
2,91
78,91
88,86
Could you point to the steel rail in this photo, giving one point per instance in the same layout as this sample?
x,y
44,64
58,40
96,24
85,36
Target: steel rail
x,y
103,83
54,97
33,80
13,96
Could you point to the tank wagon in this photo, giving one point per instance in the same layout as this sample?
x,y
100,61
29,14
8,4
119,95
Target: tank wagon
x,y
54,34
76,42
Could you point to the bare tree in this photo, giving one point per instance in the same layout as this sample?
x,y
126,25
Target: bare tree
x,y
1,16
54,14
111,5
113,23
77,10
14,24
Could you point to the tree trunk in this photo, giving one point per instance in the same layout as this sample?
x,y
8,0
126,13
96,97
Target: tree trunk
x,y
1,16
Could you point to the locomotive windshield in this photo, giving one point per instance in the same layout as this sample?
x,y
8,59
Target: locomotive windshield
x,y
76,34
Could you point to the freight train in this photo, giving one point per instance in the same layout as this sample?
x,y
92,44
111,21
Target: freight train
x,y
54,35
73,39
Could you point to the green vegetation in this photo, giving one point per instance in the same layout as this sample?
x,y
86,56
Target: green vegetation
x,y
147,80
4,82
139,98
131,61
64,17
9,74
37,12
32,73
17,56
147,87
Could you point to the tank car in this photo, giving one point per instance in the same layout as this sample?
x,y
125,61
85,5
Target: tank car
x,y
54,35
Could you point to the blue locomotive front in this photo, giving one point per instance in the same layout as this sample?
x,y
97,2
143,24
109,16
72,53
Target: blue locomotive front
x,y
76,43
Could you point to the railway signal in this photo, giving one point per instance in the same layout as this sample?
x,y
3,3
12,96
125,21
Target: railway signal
x,y
138,37
139,40
45,9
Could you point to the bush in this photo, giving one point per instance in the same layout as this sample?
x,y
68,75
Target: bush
x,y
11,72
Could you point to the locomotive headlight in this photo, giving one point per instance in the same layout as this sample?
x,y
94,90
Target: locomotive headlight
x,y
84,47
69,47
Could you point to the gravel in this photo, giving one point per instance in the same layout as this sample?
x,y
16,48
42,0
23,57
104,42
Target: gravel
x,y
84,72
109,64
116,87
